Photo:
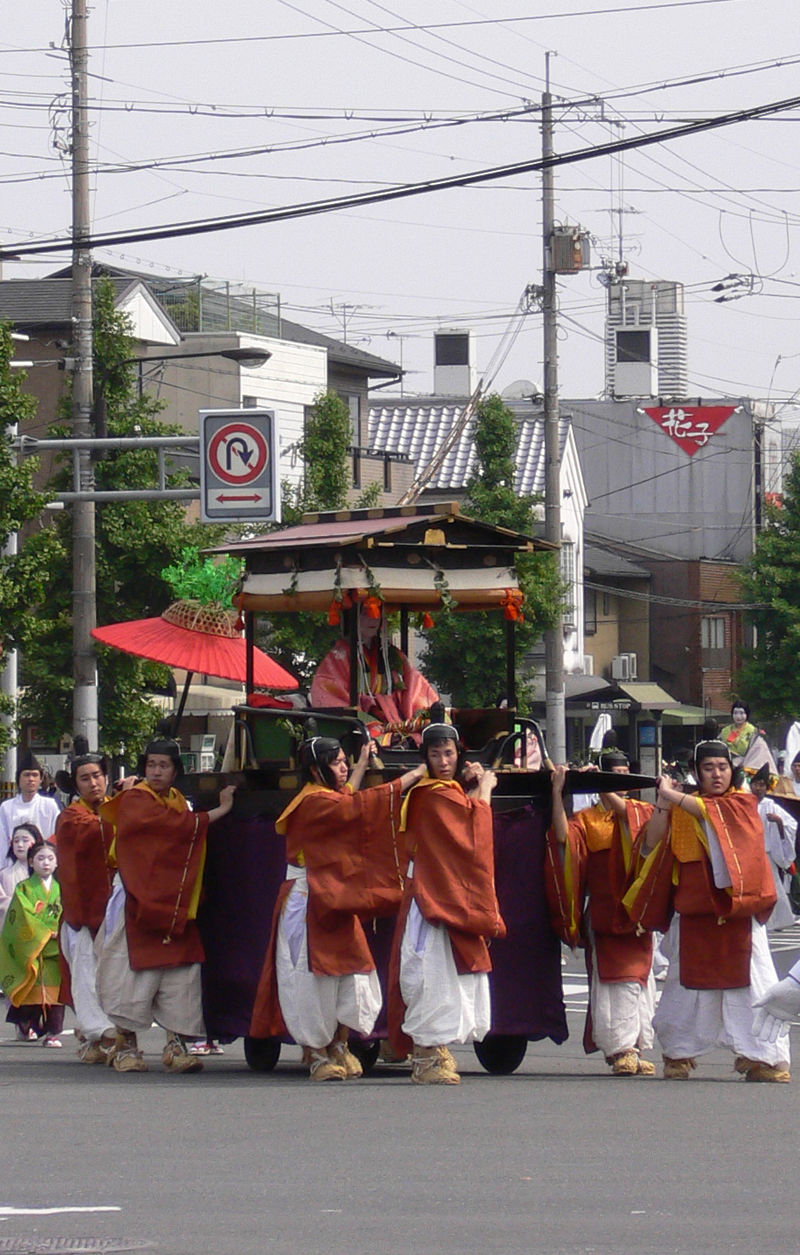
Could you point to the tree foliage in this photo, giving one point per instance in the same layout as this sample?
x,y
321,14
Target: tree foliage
x,y
769,675
24,575
465,653
135,541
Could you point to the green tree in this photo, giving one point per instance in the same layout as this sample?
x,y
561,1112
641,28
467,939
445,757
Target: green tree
x,y
769,676
465,653
24,575
135,541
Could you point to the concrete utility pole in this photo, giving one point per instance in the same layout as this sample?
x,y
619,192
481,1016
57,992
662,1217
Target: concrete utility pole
x,y
554,639
84,662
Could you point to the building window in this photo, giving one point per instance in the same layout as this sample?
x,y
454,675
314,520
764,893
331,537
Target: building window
x,y
589,611
712,632
356,468
387,474
249,403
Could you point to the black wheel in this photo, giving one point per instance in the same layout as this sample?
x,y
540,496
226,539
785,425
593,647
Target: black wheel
x,y
262,1053
501,1055
366,1052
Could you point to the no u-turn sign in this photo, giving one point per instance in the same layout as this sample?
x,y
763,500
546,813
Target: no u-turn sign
x,y
238,467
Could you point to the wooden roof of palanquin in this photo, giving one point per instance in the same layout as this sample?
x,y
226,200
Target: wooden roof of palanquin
x,y
411,554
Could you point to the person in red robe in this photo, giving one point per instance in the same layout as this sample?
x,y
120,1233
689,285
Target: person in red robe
x,y
344,863
85,877
707,880
389,687
149,965
439,986
595,858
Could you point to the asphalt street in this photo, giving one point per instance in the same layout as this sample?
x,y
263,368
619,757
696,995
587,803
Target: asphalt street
x,y
559,1157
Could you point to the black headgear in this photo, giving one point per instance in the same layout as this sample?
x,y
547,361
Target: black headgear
x,y
319,752
711,749
436,732
763,774
28,762
165,746
66,779
613,758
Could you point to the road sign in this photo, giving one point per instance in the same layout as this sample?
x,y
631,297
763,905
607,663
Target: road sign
x,y
238,466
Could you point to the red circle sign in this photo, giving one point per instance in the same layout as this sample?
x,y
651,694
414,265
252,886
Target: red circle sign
x,y
237,453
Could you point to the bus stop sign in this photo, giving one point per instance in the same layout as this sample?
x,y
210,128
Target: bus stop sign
x,y
238,466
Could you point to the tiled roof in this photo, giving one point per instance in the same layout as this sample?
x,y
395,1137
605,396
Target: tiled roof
x,y
604,562
44,302
418,427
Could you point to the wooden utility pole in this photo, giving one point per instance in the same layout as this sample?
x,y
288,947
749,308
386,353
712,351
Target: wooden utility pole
x,y
554,639
84,662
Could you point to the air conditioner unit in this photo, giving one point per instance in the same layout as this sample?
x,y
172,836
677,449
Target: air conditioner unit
x,y
633,667
621,667
588,664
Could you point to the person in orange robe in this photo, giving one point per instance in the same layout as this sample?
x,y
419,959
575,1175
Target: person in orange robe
x,y
149,965
439,986
85,877
344,862
598,847
708,880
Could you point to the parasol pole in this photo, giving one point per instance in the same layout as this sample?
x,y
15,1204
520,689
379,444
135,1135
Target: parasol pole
x,y
179,712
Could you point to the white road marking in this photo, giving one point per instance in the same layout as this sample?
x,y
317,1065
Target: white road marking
x,y
49,1211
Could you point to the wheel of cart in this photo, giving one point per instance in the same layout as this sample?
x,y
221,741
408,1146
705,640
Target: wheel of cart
x,y
262,1053
501,1055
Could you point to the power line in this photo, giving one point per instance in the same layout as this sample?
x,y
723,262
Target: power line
x,y
390,30
285,213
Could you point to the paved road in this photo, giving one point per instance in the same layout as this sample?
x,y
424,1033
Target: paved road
x,y
558,1158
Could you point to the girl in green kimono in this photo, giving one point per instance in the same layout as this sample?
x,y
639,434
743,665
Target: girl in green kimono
x,y
29,968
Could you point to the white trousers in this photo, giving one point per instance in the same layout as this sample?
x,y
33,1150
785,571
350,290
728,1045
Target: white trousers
x,y
442,1006
172,996
690,1022
622,1013
314,1006
77,947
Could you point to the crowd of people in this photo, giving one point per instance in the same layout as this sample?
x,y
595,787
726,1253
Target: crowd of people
x,y
100,912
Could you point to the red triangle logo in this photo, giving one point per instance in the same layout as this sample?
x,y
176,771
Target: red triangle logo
x,y
690,426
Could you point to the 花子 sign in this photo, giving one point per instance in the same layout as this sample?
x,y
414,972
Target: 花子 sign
x,y
690,426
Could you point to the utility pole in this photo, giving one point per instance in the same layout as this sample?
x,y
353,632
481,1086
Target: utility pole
x,y
84,662
554,638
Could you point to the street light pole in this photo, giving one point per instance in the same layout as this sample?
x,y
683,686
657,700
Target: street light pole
x,y
84,662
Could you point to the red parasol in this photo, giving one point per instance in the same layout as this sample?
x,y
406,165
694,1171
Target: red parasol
x,y
199,639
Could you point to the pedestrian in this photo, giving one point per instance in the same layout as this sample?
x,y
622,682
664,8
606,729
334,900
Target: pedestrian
x,y
708,880
85,876
439,985
780,834
344,863
28,806
150,948
29,970
22,838
600,853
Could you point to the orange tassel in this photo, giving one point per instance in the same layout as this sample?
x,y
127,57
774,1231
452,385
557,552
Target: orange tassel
x,y
372,606
333,614
427,620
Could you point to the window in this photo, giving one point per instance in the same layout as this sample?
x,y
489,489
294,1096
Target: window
x,y
712,632
387,474
249,403
589,611
353,402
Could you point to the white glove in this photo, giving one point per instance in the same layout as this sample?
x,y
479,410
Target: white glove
x,y
779,1005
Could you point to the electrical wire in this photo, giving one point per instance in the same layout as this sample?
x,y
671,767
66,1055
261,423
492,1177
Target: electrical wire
x,y
284,213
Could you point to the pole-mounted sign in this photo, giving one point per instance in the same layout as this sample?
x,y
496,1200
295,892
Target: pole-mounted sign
x,y
238,466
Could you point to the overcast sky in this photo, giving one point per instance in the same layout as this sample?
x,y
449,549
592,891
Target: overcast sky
x,y
270,82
